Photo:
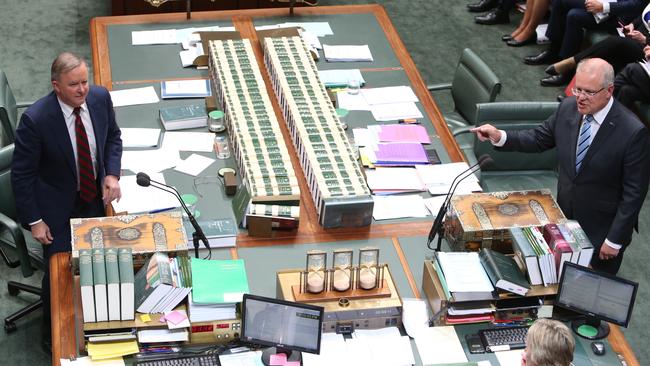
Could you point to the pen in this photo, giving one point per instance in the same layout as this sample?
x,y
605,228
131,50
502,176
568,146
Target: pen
x,y
161,210
409,121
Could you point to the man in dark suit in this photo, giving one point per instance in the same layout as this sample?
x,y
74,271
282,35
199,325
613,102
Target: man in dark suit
x,y
66,160
570,17
603,167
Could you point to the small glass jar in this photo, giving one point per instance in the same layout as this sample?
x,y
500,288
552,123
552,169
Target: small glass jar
x,y
215,121
221,147
353,86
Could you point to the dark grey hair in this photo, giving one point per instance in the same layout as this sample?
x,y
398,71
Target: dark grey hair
x,y
65,62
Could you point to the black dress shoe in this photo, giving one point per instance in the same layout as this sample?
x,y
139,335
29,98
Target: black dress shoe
x,y
481,6
494,17
555,80
545,57
506,37
550,70
514,43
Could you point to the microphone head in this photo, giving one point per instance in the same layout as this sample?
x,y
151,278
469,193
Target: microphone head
x,y
143,179
485,160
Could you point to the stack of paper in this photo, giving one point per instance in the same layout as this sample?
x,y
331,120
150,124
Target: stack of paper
x,y
400,153
440,345
404,133
106,350
347,53
140,137
394,180
162,335
215,300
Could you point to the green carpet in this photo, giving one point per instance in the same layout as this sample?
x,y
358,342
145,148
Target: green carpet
x,y
33,32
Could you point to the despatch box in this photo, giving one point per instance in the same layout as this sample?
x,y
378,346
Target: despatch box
x,y
143,233
481,220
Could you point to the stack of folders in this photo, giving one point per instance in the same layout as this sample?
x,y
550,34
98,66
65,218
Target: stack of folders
x,y
470,294
541,252
106,278
218,286
162,283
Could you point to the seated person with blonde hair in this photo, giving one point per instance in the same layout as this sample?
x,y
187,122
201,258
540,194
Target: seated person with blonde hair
x,y
548,343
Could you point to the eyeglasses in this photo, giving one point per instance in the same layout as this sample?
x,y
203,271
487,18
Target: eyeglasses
x,y
586,93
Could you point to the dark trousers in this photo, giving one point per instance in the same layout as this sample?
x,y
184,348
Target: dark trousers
x,y
609,266
565,27
632,85
506,5
618,51
81,209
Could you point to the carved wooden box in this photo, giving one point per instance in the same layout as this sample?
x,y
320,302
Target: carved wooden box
x,y
483,219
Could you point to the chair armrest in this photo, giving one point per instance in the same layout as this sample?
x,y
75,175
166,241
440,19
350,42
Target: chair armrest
x,y
461,130
440,86
19,240
24,104
505,112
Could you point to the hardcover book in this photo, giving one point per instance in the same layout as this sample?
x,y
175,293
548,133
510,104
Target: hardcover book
x,y
99,279
586,248
87,285
504,272
561,249
182,117
127,296
112,283
525,253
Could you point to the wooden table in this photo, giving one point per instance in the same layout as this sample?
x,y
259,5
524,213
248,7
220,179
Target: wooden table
x,y
66,332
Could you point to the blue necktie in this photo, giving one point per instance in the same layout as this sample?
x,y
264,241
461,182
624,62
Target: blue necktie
x,y
584,140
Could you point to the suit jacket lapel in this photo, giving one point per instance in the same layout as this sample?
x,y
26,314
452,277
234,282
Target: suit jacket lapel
x,y
61,135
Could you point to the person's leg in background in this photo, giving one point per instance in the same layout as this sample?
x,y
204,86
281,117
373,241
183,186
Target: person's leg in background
x,y
526,33
632,84
499,15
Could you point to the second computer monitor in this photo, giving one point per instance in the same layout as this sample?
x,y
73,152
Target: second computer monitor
x,y
598,296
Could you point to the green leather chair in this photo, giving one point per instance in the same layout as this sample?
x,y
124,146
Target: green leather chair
x,y
30,252
8,111
474,82
512,171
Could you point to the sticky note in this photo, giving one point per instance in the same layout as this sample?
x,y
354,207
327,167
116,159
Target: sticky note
x,y
175,317
278,359
145,318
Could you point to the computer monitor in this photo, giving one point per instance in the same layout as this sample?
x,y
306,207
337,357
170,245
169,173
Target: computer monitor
x,y
285,326
598,296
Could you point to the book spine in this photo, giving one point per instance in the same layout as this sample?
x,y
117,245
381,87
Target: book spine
x,y
586,248
571,240
127,296
99,277
112,283
87,285
490,266
524,251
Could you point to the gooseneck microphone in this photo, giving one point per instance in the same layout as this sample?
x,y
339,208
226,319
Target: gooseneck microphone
x,y
483,161
144,180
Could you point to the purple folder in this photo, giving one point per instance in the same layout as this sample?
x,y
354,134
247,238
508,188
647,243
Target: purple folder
x,y
401,153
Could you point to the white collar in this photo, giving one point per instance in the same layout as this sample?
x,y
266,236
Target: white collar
x,y
68,110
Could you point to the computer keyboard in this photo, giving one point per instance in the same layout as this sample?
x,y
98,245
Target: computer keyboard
x,y
503,339
183,360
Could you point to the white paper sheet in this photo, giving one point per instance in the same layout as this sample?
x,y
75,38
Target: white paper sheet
x,y
395,207
394,179
188,141
87,361
464,272
242,359
161,36
347,53
440,345
182,88
352,102
143,199
162,335
394,111
149,161
190,54
194,164
389,95
433,204
140,137
136,96
438,178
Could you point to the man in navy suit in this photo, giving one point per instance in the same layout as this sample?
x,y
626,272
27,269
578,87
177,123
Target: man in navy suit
x,y
603,169
66,160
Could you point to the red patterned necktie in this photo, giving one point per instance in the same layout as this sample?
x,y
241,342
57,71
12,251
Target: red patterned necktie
x,y
87,182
